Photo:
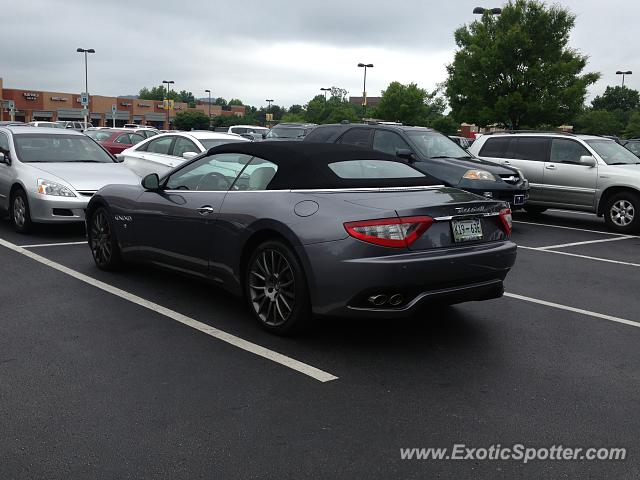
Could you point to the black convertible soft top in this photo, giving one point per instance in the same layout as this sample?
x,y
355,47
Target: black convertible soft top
x,y
304,165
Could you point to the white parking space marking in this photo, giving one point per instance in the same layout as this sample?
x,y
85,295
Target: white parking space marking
x,y
587,257
53,244
573,309
259,350
563,245
574,228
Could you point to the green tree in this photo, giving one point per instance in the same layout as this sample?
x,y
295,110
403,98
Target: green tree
x,y
598,122
235,101
333,110
296,109
445,124
408,104
158,93
187,97
517,69
191,120
220,101
617,98
632,129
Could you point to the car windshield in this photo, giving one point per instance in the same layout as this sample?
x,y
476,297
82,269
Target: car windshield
x,y
98,135
59,148
286,133
435,145
612,152
373,169
212,142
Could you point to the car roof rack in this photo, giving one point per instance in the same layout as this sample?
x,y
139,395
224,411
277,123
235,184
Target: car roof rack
x,y
532,131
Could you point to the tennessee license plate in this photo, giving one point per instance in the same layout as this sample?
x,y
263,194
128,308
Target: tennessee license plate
x,y
466,230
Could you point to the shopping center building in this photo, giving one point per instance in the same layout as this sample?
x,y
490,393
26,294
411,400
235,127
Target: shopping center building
x,y
31,105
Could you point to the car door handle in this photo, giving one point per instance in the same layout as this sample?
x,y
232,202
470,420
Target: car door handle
x,y
206,210
507,162
550,167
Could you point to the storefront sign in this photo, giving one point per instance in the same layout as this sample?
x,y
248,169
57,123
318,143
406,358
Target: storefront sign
x,y
30,95
125,104
59,99
145,105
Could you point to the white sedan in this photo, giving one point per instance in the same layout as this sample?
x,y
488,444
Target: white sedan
x,y
162,153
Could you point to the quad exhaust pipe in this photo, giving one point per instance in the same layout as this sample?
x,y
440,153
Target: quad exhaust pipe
x,y
382,299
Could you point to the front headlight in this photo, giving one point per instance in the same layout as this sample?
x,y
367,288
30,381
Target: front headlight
x,y
479,175
47,187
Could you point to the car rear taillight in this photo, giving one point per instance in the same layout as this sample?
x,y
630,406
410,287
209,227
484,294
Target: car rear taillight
x,y
389,232
506,220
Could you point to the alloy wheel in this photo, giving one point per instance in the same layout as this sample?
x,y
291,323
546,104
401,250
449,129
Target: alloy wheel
x,y
622,213
19,211
272,287
101,238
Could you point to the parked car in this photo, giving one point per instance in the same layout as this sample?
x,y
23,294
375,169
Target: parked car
x,y
48,175
39,123
432,153
281,222
289,131
574,172
12,123
252,131
77,126
463,142
633,144
163,152
115,140
147,132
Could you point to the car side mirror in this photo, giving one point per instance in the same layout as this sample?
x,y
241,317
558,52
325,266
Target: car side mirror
x,y
189,155
405,154
151,182
588,160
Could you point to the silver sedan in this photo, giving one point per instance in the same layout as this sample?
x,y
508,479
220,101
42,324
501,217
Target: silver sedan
x,y
48,175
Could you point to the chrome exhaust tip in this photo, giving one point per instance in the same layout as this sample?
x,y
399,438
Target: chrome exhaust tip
x,y
378,300
396,300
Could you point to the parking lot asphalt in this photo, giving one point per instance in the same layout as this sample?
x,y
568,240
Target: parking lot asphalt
x,y
115,375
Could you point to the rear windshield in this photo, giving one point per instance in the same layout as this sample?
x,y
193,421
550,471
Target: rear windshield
x,y
59,148
98,135
283,132
365,169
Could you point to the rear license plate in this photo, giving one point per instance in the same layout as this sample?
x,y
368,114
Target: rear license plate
x,y
466,230
518,199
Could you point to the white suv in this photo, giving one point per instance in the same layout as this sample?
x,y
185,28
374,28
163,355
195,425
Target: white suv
x,y
575,172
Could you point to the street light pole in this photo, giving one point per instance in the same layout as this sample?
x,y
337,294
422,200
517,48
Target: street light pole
x,y
364,87
168,82
86,79
628,72
325,90
209,92
269,101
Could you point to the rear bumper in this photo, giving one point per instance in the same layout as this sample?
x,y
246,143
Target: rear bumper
x,y
515,197
343,287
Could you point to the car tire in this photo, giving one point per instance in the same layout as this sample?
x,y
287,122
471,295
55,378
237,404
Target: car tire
x,y
19,212
103,241
534,210
622,212
276,289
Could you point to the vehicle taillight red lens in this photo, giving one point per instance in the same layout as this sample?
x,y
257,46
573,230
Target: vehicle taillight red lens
x,y
389,232
506,220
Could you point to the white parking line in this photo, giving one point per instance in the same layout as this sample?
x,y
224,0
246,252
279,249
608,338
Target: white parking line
x,y
573,228
53,244
587,257
563,245
259,350
573,309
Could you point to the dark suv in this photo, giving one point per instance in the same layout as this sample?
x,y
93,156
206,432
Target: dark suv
x,y
434,154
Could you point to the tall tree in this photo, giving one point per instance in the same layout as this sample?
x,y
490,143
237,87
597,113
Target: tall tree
x,y
632,129
517,69
598,122
235,101
156,93
189,120
617,98
409,104
187,97
220,101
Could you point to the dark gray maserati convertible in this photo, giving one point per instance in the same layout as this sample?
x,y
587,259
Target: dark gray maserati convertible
x,y
301,228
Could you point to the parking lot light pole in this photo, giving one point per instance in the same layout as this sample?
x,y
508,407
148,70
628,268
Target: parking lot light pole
x,y
325,90
364,86
209,92
269,101
168,82
490,11
86,79
619,72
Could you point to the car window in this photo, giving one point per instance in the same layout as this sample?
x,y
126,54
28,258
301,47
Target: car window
x,y
388,142
124,138
160,145
373,169
98,135
321,134
184,145
210,173
4,143
357,136
528,148
211,142
135,138
566,151
612,152
256,176
494,147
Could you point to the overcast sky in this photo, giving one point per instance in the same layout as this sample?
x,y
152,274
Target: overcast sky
x,y
280,49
